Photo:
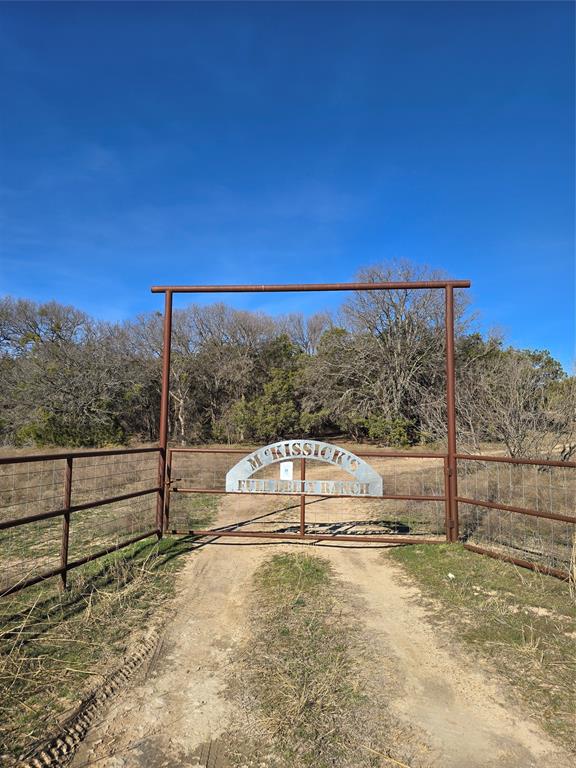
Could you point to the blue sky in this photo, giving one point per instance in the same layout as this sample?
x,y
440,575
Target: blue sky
x,y
153,143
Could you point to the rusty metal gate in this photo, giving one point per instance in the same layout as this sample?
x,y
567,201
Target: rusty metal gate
x,y
401,525
406,503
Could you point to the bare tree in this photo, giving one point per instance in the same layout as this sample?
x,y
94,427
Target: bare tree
x,y
524,400
389,359
408,327
306,332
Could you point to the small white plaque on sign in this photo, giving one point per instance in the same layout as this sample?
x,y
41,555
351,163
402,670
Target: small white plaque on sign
x,y
285,470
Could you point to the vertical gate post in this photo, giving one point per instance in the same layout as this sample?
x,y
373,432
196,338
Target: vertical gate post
x,y
302,498
164,410
66,521
447,508
451,413
169,458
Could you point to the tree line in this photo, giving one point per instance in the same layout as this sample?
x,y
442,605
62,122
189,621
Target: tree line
x,y
373,371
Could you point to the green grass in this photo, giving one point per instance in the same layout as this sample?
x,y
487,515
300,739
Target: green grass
x,y
288,574
194,510
521,623
54,646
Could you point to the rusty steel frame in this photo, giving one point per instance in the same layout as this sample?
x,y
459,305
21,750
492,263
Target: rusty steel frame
x,y
452,489
516,462
312,287
15,522
548,570
362,454
76,455
397,496
513,460
450,496
67,511
539,568
228,529
518,510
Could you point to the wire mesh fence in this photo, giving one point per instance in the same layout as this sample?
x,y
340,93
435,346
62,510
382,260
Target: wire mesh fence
x,y
94,529
30,488
59,510
29,550
521,509
101,477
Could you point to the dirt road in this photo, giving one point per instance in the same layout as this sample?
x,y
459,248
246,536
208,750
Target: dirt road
x,y
177,714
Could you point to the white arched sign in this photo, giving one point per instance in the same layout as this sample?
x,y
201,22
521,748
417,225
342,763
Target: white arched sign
x,y
365,480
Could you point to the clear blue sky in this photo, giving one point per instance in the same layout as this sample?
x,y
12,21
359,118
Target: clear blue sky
x,y
146,143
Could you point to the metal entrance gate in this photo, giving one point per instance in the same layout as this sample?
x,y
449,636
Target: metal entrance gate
x,y
412,506
446,494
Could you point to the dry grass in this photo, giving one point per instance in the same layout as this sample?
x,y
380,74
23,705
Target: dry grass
x,y
54,647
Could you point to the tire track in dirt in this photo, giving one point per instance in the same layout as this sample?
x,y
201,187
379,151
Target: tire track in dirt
x,y
169,716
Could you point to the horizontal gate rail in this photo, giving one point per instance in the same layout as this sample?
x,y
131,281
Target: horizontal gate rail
x,y
310,495
518,510
362,454
300,287
412,539
75,508
75,455
559,574
512,460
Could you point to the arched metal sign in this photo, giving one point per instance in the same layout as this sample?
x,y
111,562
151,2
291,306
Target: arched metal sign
x,y
366,481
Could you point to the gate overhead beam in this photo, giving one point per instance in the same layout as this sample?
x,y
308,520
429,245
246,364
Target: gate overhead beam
x,y
299,287
447,286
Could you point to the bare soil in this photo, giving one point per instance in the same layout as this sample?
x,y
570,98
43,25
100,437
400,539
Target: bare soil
x,y
179,712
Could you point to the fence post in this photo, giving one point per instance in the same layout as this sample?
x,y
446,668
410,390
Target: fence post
x,y
66,521
167,488
451,412
302,497
447,510
164,408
